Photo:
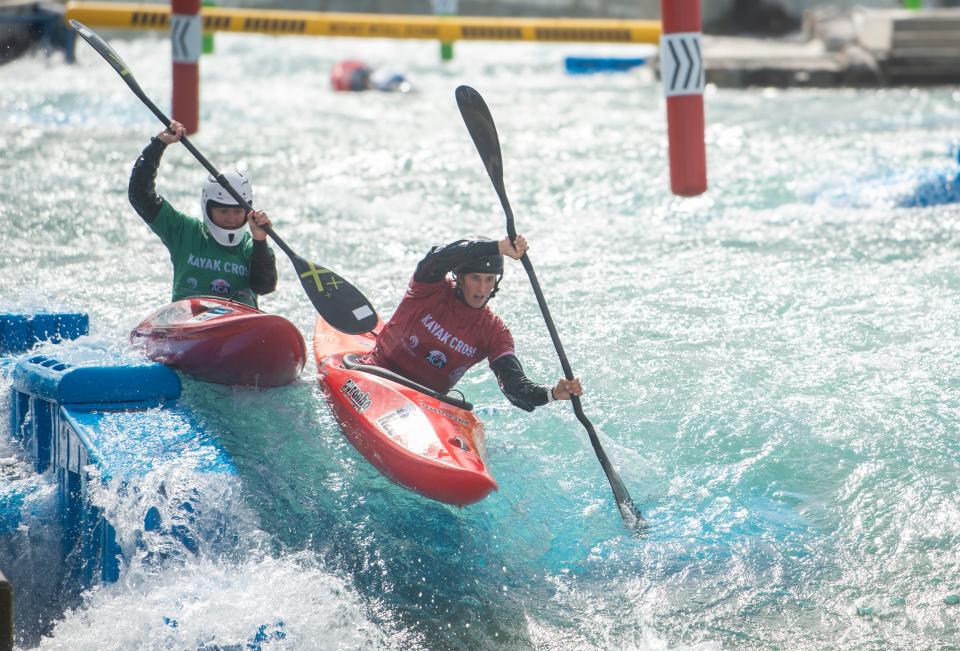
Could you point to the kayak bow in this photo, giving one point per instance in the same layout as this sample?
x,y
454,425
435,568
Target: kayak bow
x,y
223,342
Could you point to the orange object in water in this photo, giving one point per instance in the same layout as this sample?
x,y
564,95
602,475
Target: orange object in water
x,y
350,75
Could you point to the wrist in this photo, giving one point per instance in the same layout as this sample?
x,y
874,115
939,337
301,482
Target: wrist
x,y
550,396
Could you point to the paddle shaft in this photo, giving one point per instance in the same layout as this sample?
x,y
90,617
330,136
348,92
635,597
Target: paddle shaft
x,y
483,131
538,292
620,493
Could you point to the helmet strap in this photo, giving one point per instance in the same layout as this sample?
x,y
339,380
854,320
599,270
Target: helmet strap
x,y
458,287
496,288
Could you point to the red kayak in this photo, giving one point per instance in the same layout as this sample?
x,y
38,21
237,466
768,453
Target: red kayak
x,y
223,342
429,443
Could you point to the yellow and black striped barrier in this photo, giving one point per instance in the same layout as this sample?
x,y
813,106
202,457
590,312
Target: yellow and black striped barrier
x,y
440,28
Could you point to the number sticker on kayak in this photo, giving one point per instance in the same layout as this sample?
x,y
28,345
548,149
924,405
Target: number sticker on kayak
x,y
212,313
409,427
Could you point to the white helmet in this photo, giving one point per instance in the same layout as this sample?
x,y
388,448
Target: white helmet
x,y
213,195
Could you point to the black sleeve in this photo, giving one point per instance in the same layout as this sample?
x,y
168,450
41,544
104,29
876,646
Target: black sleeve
x,y
441,260
514,383
142,191
263,268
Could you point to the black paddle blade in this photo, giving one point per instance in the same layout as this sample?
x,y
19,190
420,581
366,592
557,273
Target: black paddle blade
x,y
480,124
628,510
106,52
338,302
118,64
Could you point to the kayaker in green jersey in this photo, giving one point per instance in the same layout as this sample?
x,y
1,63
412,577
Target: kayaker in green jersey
x,y
213,257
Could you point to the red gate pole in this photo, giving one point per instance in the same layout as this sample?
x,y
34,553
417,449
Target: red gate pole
x,y
186,44
682,74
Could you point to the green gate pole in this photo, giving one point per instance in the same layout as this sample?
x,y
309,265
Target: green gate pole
x,y
445,8
208,36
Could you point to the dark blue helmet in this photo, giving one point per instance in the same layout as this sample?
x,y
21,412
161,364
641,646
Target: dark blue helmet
x,y
484,264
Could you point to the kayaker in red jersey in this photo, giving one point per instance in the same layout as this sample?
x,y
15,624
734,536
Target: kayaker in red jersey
x,y
441,327
215,257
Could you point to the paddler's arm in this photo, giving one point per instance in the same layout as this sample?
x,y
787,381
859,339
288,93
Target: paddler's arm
x,y
516,386
523,393
142,190
263,264
441,260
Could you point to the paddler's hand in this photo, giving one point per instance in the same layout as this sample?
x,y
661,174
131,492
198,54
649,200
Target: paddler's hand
x,y
566,388
173,133
514,249
256,219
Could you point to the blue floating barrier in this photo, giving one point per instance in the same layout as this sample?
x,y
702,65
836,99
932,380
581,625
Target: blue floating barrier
x,y
935,190
934,187
93,408
62,382
19,332
12,504
58,326
580,65
15,333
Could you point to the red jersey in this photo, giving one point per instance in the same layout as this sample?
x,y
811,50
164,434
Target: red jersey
x,y
434,337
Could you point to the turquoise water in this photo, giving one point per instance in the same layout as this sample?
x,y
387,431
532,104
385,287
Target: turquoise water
x,y
773,367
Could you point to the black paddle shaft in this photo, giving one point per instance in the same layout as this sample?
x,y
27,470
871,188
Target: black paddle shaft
x,y
341,304
483,131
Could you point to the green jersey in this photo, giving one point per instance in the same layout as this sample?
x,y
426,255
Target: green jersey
x,y
201,265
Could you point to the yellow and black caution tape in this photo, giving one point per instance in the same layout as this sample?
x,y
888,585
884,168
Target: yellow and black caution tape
x,y
440,28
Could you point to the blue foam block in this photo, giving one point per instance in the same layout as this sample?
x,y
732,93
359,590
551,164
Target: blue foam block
x,y
19,332
16,335
65,382
129,444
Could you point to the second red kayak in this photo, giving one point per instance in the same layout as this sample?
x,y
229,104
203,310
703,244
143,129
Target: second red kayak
x,y
428,443
223,342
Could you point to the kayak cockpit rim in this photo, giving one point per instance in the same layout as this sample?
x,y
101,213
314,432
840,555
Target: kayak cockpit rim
x,y
350,361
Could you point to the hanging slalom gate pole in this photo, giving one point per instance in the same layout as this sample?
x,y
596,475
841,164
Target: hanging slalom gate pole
x,y
186,43
682,74
208,36
6,614
445,8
